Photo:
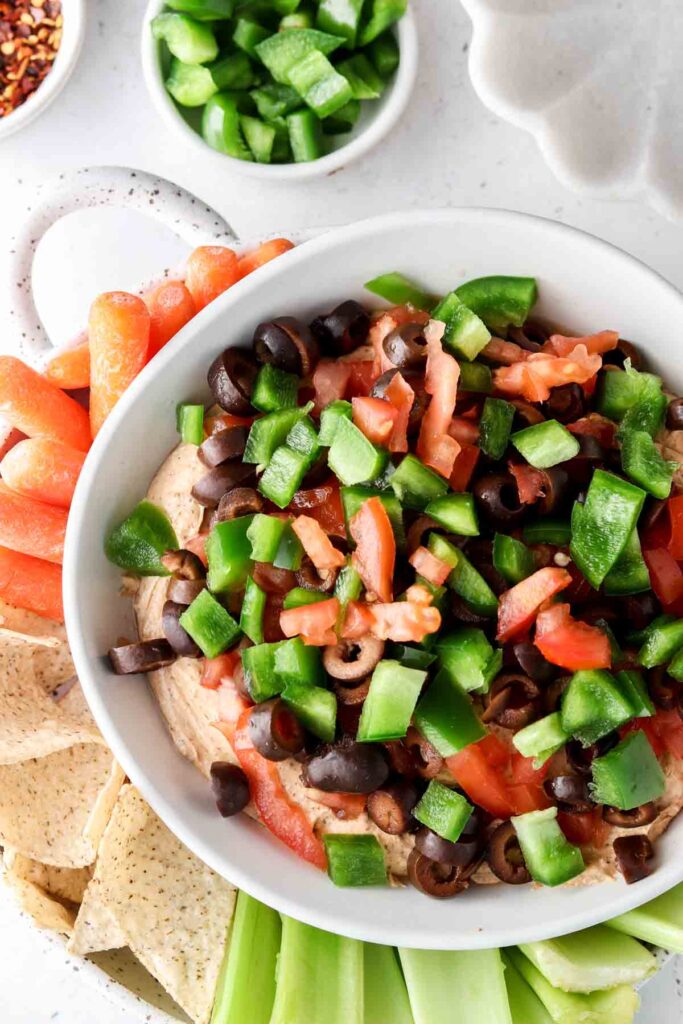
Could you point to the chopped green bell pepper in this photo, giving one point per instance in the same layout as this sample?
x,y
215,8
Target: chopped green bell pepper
x,y
355,860
445,716
329,420
643,464
475,377
283,475
228,552
465,335
632,686
456,512
248,34
500,301
648,413
381,14
297,662
390,703
550,858
286,50
662,642
290,552
675,668
138,543
415,485
267,433
347,588
468,658
298,19
260,137
465,580
639,636
397,289
315,708
619,390
444,811
188,40
274,100
546,444
340,18
190,421
319,84
222,128
495,426
541,739
303,437
299,596
211,627
353,497
253,607
411,657
233,71
601,528
264,535
260,677
365,82
511,558
190,85
629,775
274,389
548,530
593,705
384,54
343,120
203,10
629,574
352,458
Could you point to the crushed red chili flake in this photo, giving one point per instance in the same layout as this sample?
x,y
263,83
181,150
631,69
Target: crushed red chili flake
x,y
30,35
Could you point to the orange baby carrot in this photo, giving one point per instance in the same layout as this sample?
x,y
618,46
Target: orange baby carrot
x,y
31,527
170,307
43,469
31,583
70,369
210,270
264,254
38,408
118,329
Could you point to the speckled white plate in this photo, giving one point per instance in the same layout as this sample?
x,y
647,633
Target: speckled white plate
x,y
598,83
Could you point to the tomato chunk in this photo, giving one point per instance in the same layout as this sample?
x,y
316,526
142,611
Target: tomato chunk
x,y
464,466
603,342
674,508
530,482
429,566
314,623
216,670
666,575
434,445
541,371
518,606
375,418
324,505
375,555
573,645
404,621
317,544
402,397
329,382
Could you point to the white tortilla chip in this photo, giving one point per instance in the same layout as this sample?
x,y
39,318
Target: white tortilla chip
x,y
54,809
173,910
67,884
45,911
95,928
51,665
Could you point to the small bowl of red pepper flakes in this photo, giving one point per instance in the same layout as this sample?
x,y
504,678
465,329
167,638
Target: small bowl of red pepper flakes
x,y
40,41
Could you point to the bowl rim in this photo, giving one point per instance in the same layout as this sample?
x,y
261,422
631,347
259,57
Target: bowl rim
x,y
73,34
625,897
397,100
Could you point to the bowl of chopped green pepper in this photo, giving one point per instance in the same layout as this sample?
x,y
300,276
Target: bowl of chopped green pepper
x,y
280,89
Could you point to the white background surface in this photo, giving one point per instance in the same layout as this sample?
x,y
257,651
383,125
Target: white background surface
x,y
448,151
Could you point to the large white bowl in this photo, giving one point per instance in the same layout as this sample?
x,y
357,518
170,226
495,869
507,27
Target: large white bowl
x,y
583,282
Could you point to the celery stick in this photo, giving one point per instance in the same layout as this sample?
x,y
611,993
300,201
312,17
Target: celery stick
x,y
319,978
386,998
246,984
525,1006
596,958
456,987
613,1006
660,921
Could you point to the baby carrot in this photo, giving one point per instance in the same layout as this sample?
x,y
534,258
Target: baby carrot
x,y
264,254
70,369
36,407
31,527
210,270
31,583
43,469
118,329
170,307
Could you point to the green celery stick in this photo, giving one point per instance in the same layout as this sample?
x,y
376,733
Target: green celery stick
x,y
589,960
246,983
386,998
525,1006
467,987
660,921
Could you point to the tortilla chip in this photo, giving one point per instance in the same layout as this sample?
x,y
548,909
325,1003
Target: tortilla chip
x,y
45,911
95,928
67,884
173,910
54,809
51,665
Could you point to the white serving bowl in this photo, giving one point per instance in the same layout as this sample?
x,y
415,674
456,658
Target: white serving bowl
x,y
73,32
583,282
377,118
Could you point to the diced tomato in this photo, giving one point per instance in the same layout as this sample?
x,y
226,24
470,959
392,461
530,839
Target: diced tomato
x,y
216,670
281,816
404,621
434,446
588,387
317,544
506,352
375,418
603,342
530,482
587,829
497,753
670,728
375,555
346,806
527,797
674,508
542,371
649,727
224,420
330,380
482,781
361,377
401,396
358,621
324,505
464,430
579,589
197,545
666,575
429,566
570,644
518,606
522,771
464,466
597,426
418,594
314,623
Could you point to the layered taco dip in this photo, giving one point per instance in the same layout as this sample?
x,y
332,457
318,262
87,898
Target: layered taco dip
x,y
408,591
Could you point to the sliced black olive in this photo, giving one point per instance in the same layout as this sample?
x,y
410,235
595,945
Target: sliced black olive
x,y
640,609
310,578
581,758
505,856
406,346
463,613
272,579
353,660
275,732
570,793
618,356
462,854
663,689
674,414
352,692
566,403
638,817
347,767
532,662
391,807
231,379
342,330
211,487
143,656
183,564
223,445
555,490
428,761
512,701
439,880
179,639
417,530
184,591
498,499
634,854
230,788
526,414
240,501
591,456
401,759
287,344
520,337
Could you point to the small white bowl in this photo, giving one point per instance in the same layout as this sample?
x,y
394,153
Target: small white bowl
x,y
583,282
73,32
377,117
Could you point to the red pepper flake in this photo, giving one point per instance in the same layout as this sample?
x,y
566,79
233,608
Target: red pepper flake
x,y
30,36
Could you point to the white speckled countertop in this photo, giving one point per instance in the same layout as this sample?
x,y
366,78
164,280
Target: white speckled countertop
x,y
448,151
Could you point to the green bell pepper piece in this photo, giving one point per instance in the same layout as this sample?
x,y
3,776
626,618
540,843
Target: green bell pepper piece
x,y
248,34
495,426
644,465
500,301
602,526
548,530
365,82
274,100
381,15
355,860
222,128
274,389
593,705
283,475
190,422
264,534
445,716
260,137
385,54
297,662
619,390
475,377
319,84
512,559
329,420
268,433
399,290
188,40
639,636
629,775
211,627
550,858
347,588
228,551
190,85
390,703
468,658
675,668
340,18
465,580
303,437
299,596
343,120
260,677
629,575
233,71
465,335
285,50
444,811
661,643
352,458
304,136
456,512
298,19
415,485
410,656
253,607
632,686
290,552
647,415
138,543
353,497
545,444
541,739
315,708
203,10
